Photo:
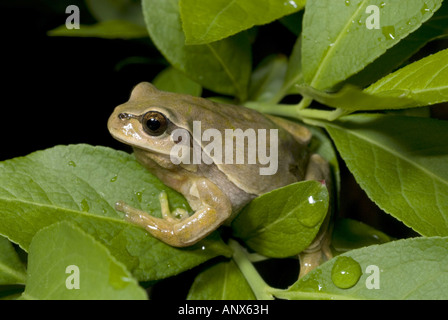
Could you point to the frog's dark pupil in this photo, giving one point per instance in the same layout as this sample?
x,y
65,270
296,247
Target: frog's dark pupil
x,y
153,124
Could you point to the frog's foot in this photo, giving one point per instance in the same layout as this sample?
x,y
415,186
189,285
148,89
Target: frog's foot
x,y
170,229
178,229
175,216
317,253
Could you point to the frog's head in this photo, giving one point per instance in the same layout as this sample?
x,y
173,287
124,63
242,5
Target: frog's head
x,y
145,121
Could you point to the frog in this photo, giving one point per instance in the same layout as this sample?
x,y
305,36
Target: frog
x,y
216,191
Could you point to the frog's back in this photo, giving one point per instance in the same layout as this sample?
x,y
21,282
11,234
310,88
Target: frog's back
x,y
287,156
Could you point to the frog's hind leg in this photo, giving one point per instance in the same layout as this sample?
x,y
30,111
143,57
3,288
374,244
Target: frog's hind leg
x,y
178,229
319,250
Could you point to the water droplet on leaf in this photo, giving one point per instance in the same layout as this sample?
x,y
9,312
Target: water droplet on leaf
x,y
345,272
425,9
311,217
85,205
313,282
72,163
139,196
389,32
291,3
114,178
117,277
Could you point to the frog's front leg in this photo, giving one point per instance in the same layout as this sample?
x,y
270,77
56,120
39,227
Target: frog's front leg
x,y
179,229
319,250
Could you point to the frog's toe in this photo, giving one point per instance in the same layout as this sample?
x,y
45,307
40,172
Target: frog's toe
x,y
317,253
180,214
120,206
131,214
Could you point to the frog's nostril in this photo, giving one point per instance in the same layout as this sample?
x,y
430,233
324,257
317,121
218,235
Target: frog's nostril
x,y
124,116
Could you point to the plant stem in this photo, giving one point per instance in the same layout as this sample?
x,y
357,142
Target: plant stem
x,y
304,103
336,114
256,282
279,96
283,110
297,111
314,114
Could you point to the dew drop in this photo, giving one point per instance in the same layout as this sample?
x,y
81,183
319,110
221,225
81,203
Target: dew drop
x,y
345,272
291,3
382,4
425,9
114,178
72,164
117,277
85,205
139,196
310,218
347,3
389,32
313,282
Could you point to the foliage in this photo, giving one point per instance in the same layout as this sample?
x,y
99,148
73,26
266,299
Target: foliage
x,y
342,78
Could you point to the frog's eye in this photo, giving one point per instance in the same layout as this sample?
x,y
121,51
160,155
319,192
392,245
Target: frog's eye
x,y
154,123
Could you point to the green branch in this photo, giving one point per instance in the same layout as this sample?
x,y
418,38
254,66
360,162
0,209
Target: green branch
x,y
256,282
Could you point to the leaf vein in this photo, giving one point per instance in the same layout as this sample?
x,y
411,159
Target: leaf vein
x,y
332,49
216,17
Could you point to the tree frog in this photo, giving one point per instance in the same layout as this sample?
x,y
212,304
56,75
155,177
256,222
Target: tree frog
x,y
216,190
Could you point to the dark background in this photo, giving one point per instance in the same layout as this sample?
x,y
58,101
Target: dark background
x,y
61,90
58,90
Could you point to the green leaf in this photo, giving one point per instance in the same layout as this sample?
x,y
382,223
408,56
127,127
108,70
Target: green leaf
x,y
267,79
421,83
351,234
81,184
173,80
206,21
12,270
11,292
129,10
403,270
424,81
401,163
433,29
283,222
424,112
223,66
336,40
293,22
223,281
323,146
112,29
294,75
351,98
65,263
